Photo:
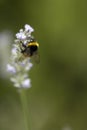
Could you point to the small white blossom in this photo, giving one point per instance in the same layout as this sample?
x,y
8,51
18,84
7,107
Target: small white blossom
x,y
25,42
28,28
11,68
17,85
21,30
14,51
19,65
26,83
28,67
21,36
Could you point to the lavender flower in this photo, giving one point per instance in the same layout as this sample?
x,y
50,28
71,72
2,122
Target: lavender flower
x,y
19,66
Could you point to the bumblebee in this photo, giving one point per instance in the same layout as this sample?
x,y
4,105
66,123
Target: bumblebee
x,y
30,49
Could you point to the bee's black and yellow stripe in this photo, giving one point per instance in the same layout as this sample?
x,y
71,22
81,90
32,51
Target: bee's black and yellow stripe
x,y
32,44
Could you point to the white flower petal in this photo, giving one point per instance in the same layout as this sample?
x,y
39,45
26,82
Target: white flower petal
x,y
21,30
11,69
28,66
17,85
19,65
14,51
25,42
28,28
21,36
26,83
18,35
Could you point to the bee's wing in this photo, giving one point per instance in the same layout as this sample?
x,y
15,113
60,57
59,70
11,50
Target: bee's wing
x,y
36,57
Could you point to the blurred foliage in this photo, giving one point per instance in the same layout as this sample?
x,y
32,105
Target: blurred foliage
x,y
58,96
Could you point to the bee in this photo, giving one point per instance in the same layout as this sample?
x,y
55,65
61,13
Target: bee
x,y
30,49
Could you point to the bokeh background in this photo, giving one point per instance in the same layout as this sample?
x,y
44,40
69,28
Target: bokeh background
x,y
58,97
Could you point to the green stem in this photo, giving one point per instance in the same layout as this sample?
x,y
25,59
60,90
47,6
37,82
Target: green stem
x,y
25,108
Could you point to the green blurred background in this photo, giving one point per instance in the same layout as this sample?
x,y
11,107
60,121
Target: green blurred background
x,y
58,97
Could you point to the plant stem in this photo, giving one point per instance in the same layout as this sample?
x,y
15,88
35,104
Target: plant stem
x,y
25,108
